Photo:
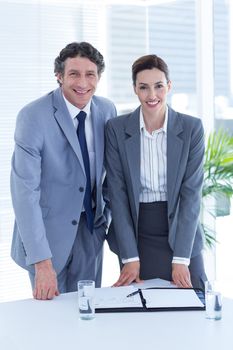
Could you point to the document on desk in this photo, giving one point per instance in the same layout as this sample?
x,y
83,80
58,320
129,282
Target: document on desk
x,y
130,298
171,298
154,283
116,297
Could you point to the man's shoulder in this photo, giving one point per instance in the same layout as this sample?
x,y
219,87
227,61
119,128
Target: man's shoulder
x,y
39,103
102,101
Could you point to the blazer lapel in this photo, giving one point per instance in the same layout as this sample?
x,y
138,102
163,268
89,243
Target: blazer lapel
x,y
174,151
132,146
63,118
98,131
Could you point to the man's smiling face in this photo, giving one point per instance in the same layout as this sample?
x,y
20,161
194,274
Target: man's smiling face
x,y
79,80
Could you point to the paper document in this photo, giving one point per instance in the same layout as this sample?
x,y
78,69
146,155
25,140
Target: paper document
x,y
171,298
116,297
151,295
154,283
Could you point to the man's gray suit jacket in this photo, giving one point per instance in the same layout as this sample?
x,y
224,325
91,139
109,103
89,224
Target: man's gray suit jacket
x,y
185,152
48,180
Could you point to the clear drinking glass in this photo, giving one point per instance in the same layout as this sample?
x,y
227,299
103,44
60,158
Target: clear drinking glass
x,y
86,302
213,299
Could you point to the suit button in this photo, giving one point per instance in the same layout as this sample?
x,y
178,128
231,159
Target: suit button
x,y
74,222
81,189
171,216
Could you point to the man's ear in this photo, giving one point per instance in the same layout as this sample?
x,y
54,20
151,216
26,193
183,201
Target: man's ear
x,y
59,78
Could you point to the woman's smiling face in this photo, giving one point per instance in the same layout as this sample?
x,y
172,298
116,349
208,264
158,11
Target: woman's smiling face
x,y
152,88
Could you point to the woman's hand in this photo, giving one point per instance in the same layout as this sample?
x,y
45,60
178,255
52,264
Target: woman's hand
x,y
181,275
129,274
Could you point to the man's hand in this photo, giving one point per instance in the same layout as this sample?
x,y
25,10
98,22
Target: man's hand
x,y
129,274
45,281
181,276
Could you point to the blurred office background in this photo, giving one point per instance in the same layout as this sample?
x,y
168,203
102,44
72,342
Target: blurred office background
x,y
195,38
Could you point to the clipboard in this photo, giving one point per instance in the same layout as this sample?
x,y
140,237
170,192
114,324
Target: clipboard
x,y
147,297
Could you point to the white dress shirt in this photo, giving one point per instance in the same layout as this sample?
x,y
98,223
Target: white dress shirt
x,y
74,111
153,171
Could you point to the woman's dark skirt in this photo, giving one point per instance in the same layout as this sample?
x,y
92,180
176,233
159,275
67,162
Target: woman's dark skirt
x,y
154,250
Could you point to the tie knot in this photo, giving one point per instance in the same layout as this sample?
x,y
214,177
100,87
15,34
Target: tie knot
x,y
81,116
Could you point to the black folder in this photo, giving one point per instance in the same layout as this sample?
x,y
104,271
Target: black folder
x,y
144,307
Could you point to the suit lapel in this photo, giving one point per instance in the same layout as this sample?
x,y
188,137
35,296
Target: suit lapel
x,y
64,120
174,151
98,132
132,146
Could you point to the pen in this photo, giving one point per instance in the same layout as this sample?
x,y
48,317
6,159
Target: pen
x,y
132,294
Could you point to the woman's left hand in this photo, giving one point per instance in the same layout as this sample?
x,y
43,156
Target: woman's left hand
x,y
181,276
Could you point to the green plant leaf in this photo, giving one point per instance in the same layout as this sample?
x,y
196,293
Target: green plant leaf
x,y
218,178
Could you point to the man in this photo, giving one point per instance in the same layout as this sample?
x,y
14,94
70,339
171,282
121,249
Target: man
x,y
58,177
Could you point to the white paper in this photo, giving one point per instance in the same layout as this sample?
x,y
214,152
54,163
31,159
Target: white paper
x,y
153,283
171,298
116,297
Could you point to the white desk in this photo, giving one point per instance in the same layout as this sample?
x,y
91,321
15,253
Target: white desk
x,y
55,325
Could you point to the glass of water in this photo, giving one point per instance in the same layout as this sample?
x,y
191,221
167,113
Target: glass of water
x,y
213,299
86,302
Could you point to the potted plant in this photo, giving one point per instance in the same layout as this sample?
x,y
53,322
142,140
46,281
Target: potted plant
x,y
218,180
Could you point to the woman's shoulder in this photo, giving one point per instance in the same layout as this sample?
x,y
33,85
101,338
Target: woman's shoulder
x,y
189,117
186,119
122,119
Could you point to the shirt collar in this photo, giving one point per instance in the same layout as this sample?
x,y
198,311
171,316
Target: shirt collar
x,y
74,111
164,127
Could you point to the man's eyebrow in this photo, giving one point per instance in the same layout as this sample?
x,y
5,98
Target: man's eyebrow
x,y
77,70
73,70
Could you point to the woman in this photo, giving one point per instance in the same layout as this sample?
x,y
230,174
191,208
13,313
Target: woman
x,y
155,173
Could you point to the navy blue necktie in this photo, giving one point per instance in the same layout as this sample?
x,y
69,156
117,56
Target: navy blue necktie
x,y
83,145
